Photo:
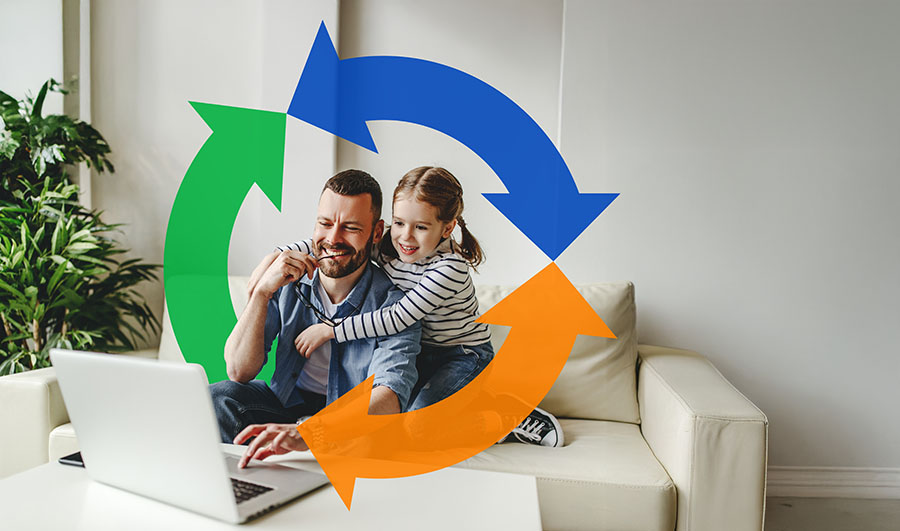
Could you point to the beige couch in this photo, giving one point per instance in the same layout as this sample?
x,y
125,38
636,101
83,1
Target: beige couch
x,y
656,438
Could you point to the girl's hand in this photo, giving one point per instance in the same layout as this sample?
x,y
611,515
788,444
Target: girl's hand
x,y
312,338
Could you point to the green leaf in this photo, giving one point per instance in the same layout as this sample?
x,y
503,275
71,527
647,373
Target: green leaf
x,y
17,258
18,294
39,311
40,165
80,247
73,297
8,145
6,367
39,102
54,240
16,337
38,235
60,269
6,99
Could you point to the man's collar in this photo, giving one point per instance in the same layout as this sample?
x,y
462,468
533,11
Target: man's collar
x,y
355,298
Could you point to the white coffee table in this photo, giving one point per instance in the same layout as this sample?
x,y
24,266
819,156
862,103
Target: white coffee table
x,y
55,496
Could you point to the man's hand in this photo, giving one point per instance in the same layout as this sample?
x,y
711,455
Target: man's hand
x,y
260,269
271,439
289,266
312,338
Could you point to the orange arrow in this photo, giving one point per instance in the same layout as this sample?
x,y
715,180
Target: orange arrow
x,y
546,314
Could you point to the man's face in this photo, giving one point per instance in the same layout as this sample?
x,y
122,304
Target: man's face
x,y
344,233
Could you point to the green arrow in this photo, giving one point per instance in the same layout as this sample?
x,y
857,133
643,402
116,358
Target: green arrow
x,y
246,146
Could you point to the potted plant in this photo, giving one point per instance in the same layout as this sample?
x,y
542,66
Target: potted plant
x,y
61,281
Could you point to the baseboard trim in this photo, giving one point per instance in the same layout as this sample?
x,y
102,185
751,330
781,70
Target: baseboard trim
x,y
833,482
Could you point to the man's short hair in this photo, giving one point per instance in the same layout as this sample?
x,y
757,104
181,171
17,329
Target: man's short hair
x,y
357,182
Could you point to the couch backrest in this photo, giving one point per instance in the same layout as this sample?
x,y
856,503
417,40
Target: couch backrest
x,y
599,379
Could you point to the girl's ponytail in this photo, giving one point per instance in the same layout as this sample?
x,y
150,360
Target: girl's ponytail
x,y
469,247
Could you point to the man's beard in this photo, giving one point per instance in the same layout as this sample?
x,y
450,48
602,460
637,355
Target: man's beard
x,y
330,268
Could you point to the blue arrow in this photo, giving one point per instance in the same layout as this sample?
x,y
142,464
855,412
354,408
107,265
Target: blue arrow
x,y
340,96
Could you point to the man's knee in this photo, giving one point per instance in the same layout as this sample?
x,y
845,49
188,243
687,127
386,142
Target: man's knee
x,y
226,393
225,389
227,399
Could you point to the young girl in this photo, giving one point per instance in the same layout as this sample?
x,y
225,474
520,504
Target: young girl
x,y
419,255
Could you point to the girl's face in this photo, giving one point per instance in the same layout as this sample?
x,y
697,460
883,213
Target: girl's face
x,y
416,230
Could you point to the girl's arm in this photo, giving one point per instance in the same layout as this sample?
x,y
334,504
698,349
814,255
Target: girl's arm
x,y
441,281
304,246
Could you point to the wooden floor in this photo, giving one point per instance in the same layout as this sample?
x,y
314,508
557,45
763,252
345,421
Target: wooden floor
x,y
832,514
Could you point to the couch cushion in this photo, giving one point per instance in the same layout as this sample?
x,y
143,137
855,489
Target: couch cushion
x,y
599,380
605,477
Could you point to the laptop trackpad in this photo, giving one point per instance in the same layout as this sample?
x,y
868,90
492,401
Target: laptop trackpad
x,y
271,473
254,468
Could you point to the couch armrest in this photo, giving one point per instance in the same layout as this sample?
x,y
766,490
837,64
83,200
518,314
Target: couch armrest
x,y
709,437
31,406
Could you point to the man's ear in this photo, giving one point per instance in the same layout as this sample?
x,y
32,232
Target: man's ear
x,y
448,229
378,231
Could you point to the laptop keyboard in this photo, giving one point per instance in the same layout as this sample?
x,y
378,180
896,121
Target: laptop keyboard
x,y
244,490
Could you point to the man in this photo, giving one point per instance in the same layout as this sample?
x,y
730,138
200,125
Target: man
x,y
296,291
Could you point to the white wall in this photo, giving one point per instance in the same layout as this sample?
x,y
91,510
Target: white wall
x,y
31,49
755,145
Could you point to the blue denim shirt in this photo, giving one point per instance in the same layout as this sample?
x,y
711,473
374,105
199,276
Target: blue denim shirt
x,y
391,359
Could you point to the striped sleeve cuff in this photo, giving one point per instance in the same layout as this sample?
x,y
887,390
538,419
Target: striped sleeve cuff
x,y
340,333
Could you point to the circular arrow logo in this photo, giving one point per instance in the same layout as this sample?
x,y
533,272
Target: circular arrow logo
x,y
339,96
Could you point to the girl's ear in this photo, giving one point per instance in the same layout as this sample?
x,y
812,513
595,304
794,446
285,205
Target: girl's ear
x,y
448,228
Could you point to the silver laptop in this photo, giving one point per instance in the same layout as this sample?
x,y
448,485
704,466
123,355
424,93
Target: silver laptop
x,y
148,427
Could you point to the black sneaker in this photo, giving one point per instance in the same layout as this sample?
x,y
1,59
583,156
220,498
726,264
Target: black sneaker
x,y
539,428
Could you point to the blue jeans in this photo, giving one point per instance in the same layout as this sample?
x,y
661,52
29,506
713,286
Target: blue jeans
x,y
445,369
239,405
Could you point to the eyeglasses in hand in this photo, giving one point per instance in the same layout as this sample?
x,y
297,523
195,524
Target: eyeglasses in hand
x,y
321,316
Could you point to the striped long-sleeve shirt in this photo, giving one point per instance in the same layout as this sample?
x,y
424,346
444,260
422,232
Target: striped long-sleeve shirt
x,y
439,292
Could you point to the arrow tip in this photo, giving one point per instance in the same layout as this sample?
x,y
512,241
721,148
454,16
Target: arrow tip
x,y
561,307
344,488
562,219
341,475
326,99
209,112
250,131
